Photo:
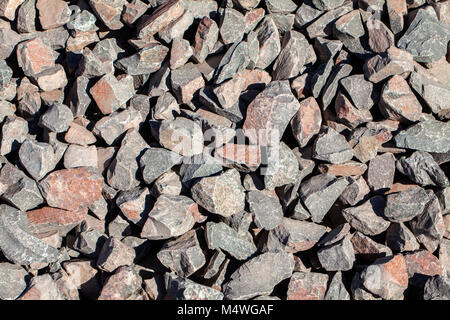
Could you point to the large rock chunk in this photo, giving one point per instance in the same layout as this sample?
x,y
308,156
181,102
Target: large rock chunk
x,y
183,255
182,136
430,136
307,286
16,242
47,220
72,189
405,205
222,194
320,192
13,281
269,43
282,167
156,161
38,158
160,18
124,284
220,236
270,268
269,113
179,288
421,168
338,256
115,254
171,216
387,277
110,93
205,39
186,81
426,39
392,62
266,208
307,122
332,147
368,218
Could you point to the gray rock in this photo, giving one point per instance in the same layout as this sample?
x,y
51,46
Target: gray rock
x,y
444,199
199,166
336,289
231,30
115,254
392,62
280,6
380,37
18,244
220,236
282,167
14,281
429,226
266,208
326,48
213,267
14,132
186,81
9,38
166,107
426,39
234,61
177,28
335,235
209,98
400,239
179,288
57,118
42,287
38,158
338,256
421,168
124,284
171,216
112,126
222,194
435,94
182,136
320,192
437,288
79,99
368,217
380,174
294,236
332,147
327,4
119,228
156,161
147,60
323,26
269,268
269,43
80,156
359,90
292,58
329,91
356,191
306,14
183,255
430,136
123,171
5,73
90,242
405,205
283,21
205,39
319,79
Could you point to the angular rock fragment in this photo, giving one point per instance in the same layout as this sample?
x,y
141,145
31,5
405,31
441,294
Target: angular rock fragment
x,y
180,53
115,254
306,123
266,208
356,191
338,256
147,60
282,167
179,288
359,90
397,9
124,284
368,217
183,255
323,26
18,244
185,81
269,43
42,287
171,216
109,12
182,136
348,114
336,289
53,13
387,277
437,288
399,238
72,189
405,205
380,175
48,220
271,268
422,265
332,147
110,93
14,281
430,136
307,286
392,62
242,157
235,60
134,204
421,168
160,18
220,236
367,249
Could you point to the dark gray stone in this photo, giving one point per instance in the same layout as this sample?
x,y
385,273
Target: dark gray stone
x,y
156,161
405,205
331,146
338,256
266,208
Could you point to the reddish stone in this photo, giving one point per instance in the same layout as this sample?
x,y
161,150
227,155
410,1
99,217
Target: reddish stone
x,y
160,18
108,12
365,246
398,102
307,286
397,9
421,264
47,220
53,13
299,85
72,189
8,8
307,121
348,114
34,56
254,77
240,156
252,18
351,168
397,187
79,135
205,39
